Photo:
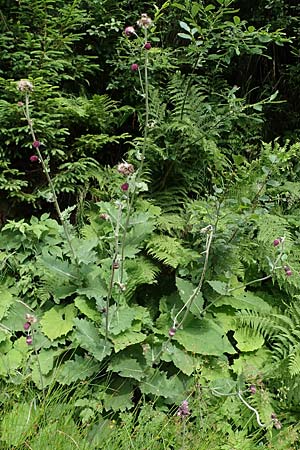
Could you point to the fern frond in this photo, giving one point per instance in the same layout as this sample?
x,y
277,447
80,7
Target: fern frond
x,y
140,271
170,251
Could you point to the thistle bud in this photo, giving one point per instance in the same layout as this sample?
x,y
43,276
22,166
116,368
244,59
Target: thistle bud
x,y
172,331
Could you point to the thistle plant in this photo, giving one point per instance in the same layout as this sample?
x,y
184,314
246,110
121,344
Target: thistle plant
x,y
132,177
26,87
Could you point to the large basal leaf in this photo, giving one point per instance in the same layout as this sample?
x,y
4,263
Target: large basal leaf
x,y
118,395
120,319
78,369
58,321
186,289
204,337
127,367
87,337
181,359
158,384
11,361
126,339
244,300
46,359
88,308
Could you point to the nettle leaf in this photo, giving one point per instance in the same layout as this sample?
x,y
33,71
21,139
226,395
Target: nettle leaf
x,y
88,308
58,321
248,340
120,319
77,369
158,384
180,358
186,290
6,300
204,337
87,337
127,338
127,367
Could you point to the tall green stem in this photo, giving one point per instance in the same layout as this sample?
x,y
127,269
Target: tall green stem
x,y
145,90
49,180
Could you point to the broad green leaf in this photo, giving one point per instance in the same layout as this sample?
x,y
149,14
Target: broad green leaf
x,y
46,359
186,289
204,337
219,286
185,36
11,361
15,317
87,337
248,340
120,319
244,300
127,338
260,361
76,369
58,321
127,367
6,300
158,384
118,395
60,268
180,358
88,308
184,26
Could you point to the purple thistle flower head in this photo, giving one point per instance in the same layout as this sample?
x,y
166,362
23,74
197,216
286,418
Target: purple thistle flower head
x,y
252,389
183,410
26,326
129,31
36,144
125,187
29,340
147,46
34,158
276,242
134,67
288,271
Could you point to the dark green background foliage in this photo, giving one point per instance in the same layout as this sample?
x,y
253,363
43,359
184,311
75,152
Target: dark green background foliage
x,y
221,150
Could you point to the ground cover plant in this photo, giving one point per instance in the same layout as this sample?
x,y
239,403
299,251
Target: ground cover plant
x,y
149,247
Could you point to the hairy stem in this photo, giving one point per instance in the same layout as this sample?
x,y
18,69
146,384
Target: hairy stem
x,y
49,180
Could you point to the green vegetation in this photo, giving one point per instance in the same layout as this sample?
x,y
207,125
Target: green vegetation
x,y
149,214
